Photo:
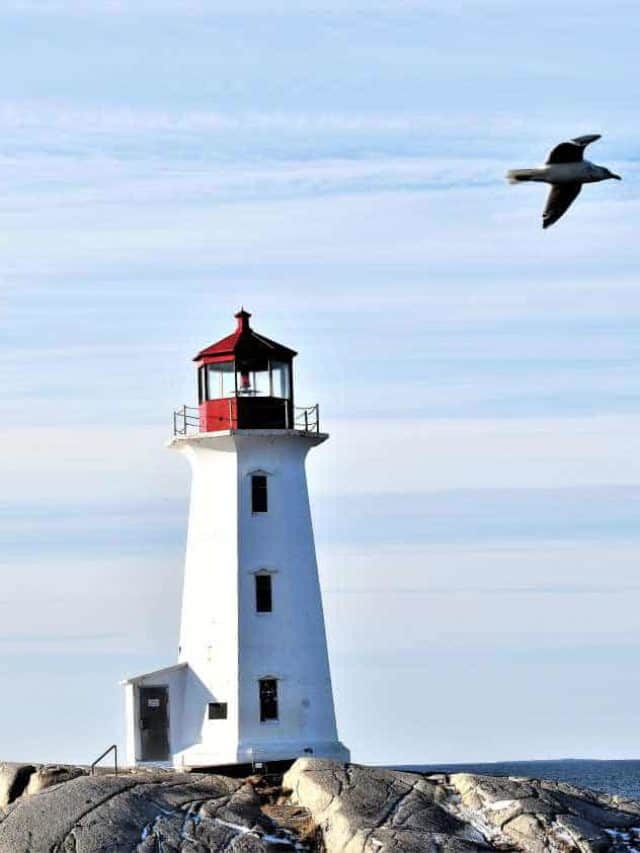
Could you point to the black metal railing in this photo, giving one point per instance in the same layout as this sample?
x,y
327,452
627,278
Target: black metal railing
x,y
113,748
307,418
186,419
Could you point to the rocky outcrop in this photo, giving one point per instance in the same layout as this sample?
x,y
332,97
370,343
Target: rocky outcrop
x,y
142,812
362,809
14,778
536,815
320,806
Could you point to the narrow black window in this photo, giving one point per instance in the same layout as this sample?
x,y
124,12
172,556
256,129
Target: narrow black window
x,y
268,699
258,493
217,710
264,600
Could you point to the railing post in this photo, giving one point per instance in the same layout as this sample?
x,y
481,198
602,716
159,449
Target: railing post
x,y
317,417
286,415
306,420
230,414
183,420
113,748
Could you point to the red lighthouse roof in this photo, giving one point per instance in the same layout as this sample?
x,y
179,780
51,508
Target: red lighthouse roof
x,y
245,343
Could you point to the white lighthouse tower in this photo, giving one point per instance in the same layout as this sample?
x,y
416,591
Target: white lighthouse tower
x,y
252,682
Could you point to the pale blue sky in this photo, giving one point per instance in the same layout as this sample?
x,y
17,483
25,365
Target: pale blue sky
x,y
339,171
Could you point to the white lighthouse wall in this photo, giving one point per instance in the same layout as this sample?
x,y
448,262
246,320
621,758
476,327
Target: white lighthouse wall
x,y
227,645
209,624
289,643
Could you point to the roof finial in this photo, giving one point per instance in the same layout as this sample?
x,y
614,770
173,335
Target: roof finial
x,y
243,318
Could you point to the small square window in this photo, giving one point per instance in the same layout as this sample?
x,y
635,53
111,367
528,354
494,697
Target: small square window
x,y
217,710
259,501
264,597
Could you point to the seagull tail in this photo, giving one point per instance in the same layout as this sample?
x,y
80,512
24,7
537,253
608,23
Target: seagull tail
x,y
515,176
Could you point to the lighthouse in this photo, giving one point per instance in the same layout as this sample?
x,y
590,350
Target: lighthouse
x,y
252,681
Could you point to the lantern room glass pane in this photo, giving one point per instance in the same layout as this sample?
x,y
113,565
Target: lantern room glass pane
x,y
253,383
221,380
280,379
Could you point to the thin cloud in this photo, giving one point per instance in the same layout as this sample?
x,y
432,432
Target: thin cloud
x,y
51,115
460,591
55,639
206,8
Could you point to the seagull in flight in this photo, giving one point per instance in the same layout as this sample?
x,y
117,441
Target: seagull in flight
x,y
566,170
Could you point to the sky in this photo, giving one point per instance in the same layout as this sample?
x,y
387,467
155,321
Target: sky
x,y
337,167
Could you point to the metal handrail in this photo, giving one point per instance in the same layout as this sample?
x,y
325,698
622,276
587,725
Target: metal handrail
x,y
113,748
307,418
186,419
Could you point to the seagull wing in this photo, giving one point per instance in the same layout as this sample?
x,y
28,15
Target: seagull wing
x,y
559,201
571,151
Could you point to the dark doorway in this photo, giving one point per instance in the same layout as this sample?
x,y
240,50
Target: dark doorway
x,y
154,723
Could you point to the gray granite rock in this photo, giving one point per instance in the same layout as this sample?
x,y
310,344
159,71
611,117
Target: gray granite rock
x,y
49,775
190,813
323,806
365,808
371,810
535,815
14,778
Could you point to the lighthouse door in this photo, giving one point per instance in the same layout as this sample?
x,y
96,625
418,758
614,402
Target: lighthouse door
x,y
154,724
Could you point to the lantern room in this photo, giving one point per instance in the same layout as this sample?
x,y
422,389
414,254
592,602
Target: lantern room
x,y
245,381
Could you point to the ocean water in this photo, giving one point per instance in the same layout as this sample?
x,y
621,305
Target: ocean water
x,y
612,777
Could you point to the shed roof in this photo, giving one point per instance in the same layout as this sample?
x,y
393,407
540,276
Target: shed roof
x,y
155,672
